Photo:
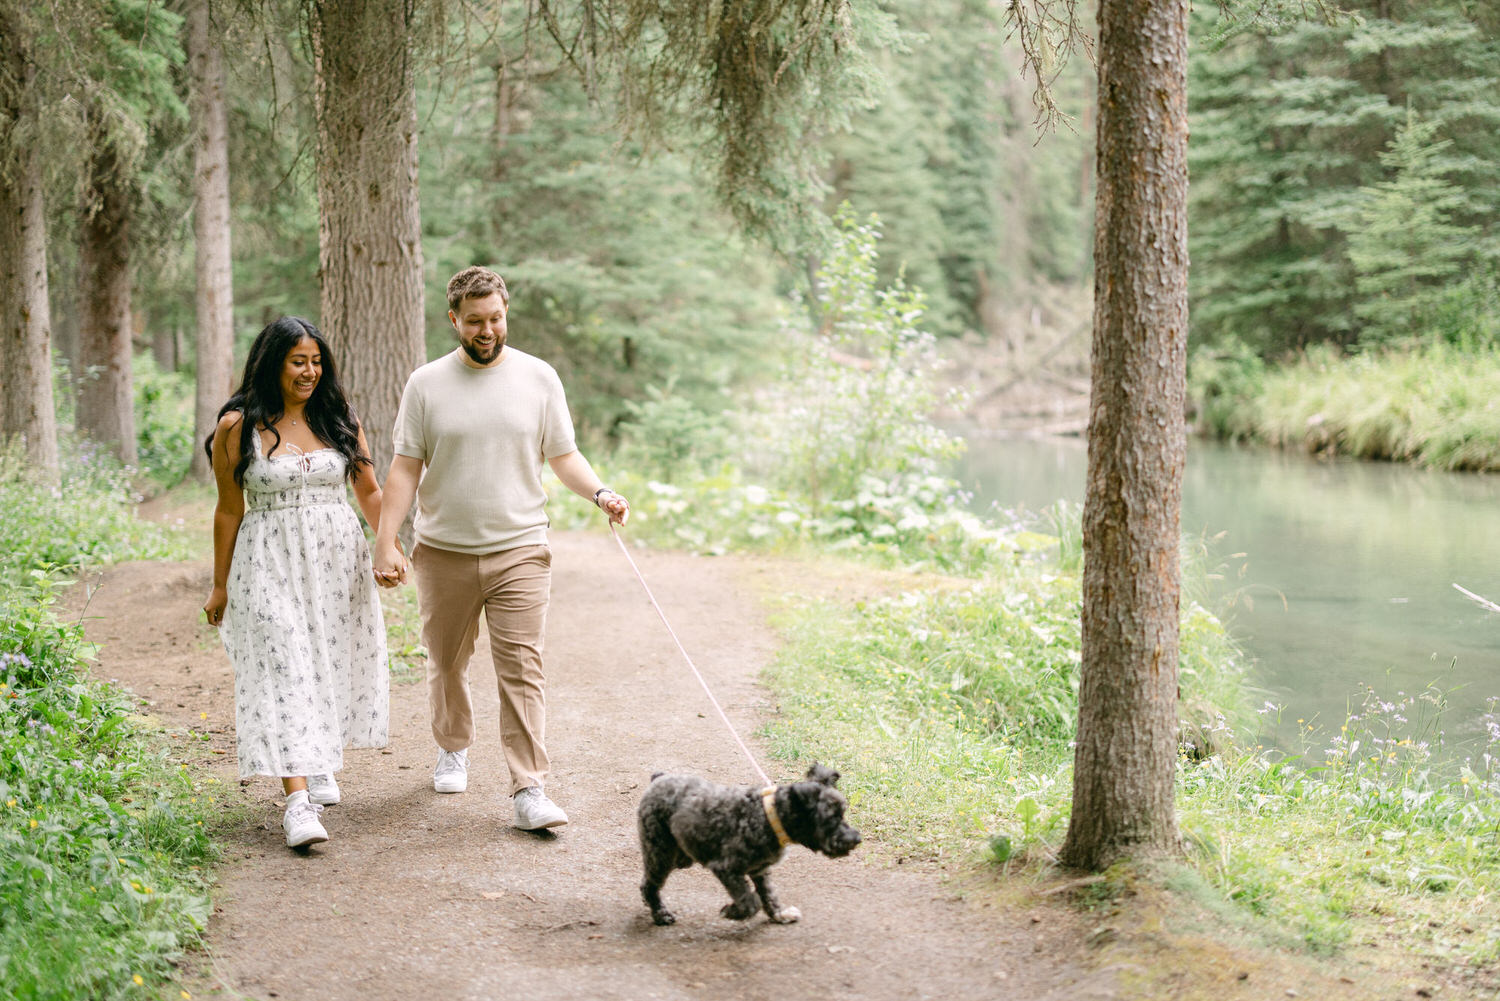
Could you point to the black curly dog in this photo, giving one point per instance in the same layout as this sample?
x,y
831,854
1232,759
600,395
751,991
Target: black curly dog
x,y
735,832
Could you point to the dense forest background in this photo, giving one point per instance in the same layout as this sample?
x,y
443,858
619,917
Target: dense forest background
x,y
1345,189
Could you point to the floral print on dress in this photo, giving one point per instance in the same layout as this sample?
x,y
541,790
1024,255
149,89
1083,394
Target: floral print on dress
x,y
303,626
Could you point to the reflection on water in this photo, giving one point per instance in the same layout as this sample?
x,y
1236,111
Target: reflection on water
x,y
1348,567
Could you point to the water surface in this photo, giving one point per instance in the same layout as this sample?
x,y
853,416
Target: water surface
x,y
1340,572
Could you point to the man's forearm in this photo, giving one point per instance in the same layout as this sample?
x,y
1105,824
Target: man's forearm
x,y
396,498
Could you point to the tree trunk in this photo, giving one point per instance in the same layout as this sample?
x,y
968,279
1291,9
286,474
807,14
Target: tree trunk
x,y
27,409
213,340
105,405
1125,757
369,231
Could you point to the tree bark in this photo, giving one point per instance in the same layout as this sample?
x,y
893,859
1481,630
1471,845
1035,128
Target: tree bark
x,y
105,400
1125,757
28,409
213,340
369,231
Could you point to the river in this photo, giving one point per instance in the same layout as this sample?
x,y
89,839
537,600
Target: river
x,y
1337,574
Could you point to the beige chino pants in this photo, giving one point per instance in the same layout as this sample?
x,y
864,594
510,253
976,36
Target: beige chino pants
x,y
512,588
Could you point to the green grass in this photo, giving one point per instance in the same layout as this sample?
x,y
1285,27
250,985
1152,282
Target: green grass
x,y
403,626
951,709
88,518
105,845
1437,405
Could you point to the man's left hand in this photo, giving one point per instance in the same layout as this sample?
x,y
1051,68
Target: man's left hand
x,y
617,507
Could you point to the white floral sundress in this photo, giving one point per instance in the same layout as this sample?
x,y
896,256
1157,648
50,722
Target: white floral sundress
x,y
303,626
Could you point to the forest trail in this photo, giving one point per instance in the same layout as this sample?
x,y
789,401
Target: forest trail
x,y
422,895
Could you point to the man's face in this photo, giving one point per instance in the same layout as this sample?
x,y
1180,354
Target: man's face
x,y
480,324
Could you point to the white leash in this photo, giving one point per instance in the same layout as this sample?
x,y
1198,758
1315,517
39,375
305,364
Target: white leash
x,y
765,779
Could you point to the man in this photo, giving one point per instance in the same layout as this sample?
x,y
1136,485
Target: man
x,y
471,435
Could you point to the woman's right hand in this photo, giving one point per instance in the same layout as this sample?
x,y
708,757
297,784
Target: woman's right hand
x,y
218,600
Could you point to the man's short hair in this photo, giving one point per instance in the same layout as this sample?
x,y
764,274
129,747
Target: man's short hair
x,y
475,283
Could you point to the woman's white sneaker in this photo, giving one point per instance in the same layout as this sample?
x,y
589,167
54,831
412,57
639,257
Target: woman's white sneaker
x,y
452,771
301,822
323,790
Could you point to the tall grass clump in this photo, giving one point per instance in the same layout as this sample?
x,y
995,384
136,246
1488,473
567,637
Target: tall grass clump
x,y
1435,405
102,842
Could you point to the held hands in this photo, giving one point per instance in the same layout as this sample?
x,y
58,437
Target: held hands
x,y
612,504
390,566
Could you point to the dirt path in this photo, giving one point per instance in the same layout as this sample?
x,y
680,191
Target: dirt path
x,y
421,895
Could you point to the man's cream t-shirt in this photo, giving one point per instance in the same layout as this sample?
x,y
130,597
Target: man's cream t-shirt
x,y
482,435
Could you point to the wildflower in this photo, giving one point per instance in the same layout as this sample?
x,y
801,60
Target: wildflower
x,y
33,823
11,801
184,995
139,982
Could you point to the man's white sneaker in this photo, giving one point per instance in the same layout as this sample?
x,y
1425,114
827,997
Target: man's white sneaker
x,y
323,790
301,823
535,811
452,771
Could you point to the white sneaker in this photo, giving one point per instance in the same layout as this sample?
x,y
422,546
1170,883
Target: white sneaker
x,y
323,790
301,824
535,811
452,771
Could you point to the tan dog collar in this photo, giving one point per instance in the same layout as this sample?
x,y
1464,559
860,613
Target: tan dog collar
x,y
768,800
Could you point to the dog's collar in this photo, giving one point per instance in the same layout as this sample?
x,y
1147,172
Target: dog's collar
x,y
768,800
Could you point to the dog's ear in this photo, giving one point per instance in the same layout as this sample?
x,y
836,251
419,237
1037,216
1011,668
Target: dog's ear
x,y
823,775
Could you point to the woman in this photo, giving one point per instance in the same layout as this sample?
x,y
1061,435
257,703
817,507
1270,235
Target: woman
x,y
293,592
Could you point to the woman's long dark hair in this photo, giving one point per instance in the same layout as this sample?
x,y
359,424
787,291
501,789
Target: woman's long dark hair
x,y
260,403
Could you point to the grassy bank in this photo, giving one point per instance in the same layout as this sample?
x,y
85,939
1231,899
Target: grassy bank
x,y
1436,406
105,844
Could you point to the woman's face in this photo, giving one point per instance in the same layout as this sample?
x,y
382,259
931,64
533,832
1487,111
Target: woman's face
x,y
300,372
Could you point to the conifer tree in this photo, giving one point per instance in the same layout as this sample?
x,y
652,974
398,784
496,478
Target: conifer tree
x,y
1406,248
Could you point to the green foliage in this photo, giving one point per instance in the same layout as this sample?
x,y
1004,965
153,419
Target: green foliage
x,y
668,438
752,85
87,519
163,422
839,451
623,273
1406,251
1224,382
102,842
1289,124
1435,405
851,403
974,208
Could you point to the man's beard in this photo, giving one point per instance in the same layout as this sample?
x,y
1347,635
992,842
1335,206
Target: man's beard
x,y
481,357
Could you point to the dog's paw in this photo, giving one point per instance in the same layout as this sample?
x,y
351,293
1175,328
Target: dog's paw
x,y
664,917
737,911
787,916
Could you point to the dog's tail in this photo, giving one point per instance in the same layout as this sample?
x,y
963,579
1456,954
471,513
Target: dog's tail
x,y
656,775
